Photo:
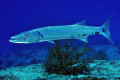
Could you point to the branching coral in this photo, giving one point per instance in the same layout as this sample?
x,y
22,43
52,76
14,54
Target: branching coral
x,y
65,59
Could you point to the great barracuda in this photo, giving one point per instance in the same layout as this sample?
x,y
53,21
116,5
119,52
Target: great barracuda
x,y
76,31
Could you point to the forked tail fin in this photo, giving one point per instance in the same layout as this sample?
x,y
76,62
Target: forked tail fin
x,y
106,32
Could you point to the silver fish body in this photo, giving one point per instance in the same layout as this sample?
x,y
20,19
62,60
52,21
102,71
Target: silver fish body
x,y
76,31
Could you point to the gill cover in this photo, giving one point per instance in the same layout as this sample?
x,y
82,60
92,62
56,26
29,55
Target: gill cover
x,y
33,36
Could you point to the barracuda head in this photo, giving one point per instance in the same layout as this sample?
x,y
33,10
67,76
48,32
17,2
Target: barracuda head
x,y
26,37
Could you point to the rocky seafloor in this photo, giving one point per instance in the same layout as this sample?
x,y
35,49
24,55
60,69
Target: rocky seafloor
x,y
102,70
27,65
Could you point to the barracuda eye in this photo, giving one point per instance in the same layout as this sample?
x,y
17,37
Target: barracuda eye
x,y
27,35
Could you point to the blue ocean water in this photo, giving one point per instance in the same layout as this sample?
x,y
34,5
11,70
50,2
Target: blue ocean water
x,y
20,15
17,16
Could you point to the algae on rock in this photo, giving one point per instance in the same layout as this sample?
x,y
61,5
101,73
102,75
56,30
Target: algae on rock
x,y
64,58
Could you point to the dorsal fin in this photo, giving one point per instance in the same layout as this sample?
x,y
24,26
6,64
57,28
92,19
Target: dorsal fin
x,y
81,23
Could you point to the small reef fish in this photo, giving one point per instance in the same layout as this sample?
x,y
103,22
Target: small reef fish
x,y
75,31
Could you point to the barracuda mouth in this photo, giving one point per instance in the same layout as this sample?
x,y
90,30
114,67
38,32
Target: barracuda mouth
x,y
17,40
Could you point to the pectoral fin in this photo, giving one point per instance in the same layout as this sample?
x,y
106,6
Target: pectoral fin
x,y
84,39
51,42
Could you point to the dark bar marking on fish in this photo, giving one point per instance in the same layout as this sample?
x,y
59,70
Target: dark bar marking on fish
x,y
37,40
103,30
39,37
84,35
40,34
96,32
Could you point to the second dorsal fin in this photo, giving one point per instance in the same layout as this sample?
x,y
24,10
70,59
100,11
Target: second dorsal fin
x,y
81,23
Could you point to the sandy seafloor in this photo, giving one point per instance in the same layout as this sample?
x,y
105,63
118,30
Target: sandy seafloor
x,y
102,69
